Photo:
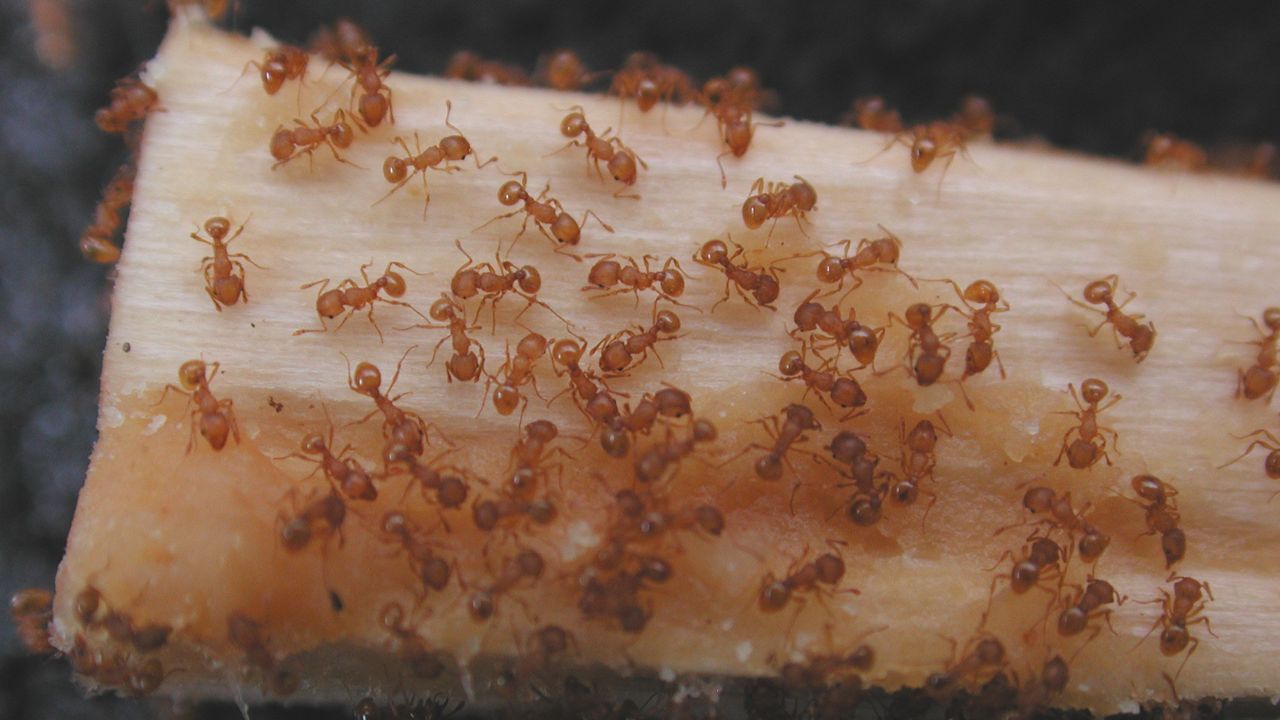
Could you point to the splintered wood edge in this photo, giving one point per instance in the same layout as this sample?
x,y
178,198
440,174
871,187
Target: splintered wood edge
x,y
187,538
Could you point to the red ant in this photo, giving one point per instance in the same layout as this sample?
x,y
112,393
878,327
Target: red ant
x,y
1040,499
345,41
1161,515
374,101
288,144
785,434
927,351
563,70
406,643
465,364
736,130
221,280
620,159
131,100
450,149
981,350
350,296
619,351
938,140
449,488
96,244
530,456
1268,442
873,113
433,570
974,117
466,65
527,565
864,507
761,282
652,464
342,472
1169,150
487,514
775,593
1043,561
1090,443
880,254
819,671
322,517
615,277
214,417
777,200
917,461
1102,292
1260,379
398,425
494,281
644,78
566,356
518,371
564,230
863,341
1180,610
844,391
1087,606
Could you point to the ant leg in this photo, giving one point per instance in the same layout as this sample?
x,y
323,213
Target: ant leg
x,y
1252,446
592,214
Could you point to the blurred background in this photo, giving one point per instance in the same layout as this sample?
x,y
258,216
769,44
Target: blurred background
x,y
1087,76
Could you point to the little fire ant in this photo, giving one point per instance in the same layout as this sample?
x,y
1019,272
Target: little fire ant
x,y
880,254
1260,379
1181,609
776,593
350,296
761,282
785,434
97,242
1080,613
432,570
644,78
450,149
321,517
288,144
652,464
531,457
927,351
131,100
343,473
777,200
917,463
278,65
526,565
836,331
620,159
564,70
1267,441
515,372
873,113
566,357
464,364
494,281
732,99
466,65
449,488
564,230
1061,515
981,350
843,390
619,351
864,507
615,277
398,425
1161,515
374,101
223,275
938,140
1042,561
1169,150
1141,336
214,416
1090,443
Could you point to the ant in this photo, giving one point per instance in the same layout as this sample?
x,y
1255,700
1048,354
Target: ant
x,y
844,391
223,276
494,281
1090,443
927,351
620,159
564,230
278,65
1169,150
1141,336
345,41
1161,515
32,612
433,570
350,296
1183,608
863,341
564,70
938,140
214,416
818,671
1040,499
449,488
732,99
652,464
519,371
761,282
374,101
406,643
788,432
343,473
974,118
96,243
873,113
131,100
451,148
566,356
777,200
982,653
322,516
618,351
615,277
465,364
1267,441
1043,560
879,255
288,144
1260,379
917,462
1087,606
488,513
530,456
527,564
398,425
736,129
466,65
775,593
981,350
644,78
864,508
1034,697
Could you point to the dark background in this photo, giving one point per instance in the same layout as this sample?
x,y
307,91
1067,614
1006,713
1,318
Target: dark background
x,y
1086,76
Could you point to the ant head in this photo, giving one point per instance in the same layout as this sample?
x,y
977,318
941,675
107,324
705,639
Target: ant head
x,y
395,169
803,194
1098,292
713,252
435,573
982,292
455,147
791,364
217,227
529,278
511,192
441,310
367,378
191,374
1055,675
1039,499
1093,390
704,431
755,211
923,151
667,322
573,124
710,519
393,283
922,438
990,651
1271,318
341,133
543,431
672,282
846,447
802,416
919,315
532,346
672,402
313,444
567,352
830,568
605,273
